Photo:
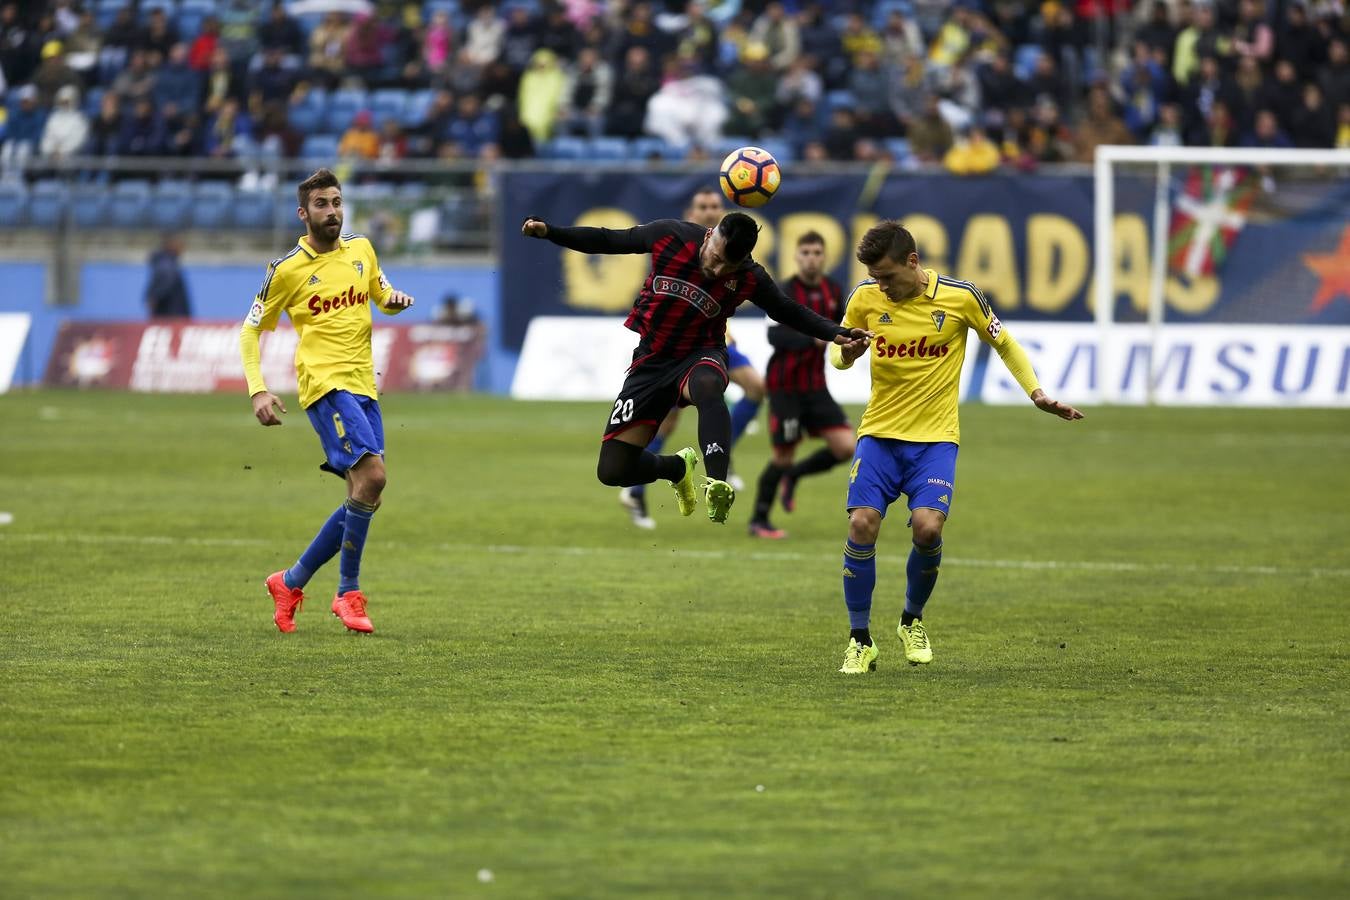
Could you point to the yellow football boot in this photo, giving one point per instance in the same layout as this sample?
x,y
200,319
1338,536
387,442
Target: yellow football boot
x,y
859,660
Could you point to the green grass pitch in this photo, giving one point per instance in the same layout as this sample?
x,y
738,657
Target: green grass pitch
x,y
1140,688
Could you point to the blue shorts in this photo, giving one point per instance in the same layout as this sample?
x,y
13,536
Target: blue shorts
x,y
736,359
349,426
883,469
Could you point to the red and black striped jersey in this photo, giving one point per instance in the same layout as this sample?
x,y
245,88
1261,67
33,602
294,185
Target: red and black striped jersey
x,y
798,363
680,309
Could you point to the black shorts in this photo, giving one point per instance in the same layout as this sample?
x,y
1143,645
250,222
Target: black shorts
x,y
654,385
795,412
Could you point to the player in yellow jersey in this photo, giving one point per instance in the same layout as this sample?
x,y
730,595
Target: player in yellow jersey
x,y
327,285
909,433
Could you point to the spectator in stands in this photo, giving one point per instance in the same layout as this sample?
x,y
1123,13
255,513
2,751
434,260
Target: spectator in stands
x,y
229,131
107,125
1100,126
1335,80
472,127
439,43
858,37
1283,92
160,34
327,44
1311,123
123,34
688,109
271,80
777,32
1253,39
137,80
281,32
953,38
540,100
699,39
1248,91
20,46
393,145
83,45
23,133
1299,42
999,87
841,137
221,82
1170,130
166,294
751,89
1343,127
1158,33
182,129
1266,132
910,92
586,93
360,141
142,132
1207,88
238,28
67,128
930,136
483,42
801,125
514,141
1049,139
424,139
870,87
972,154
499,84
639,31
559,35
901,40
800,82
364,51
520,39
176,82
53,73
204,45
634,87
1220,129
821,41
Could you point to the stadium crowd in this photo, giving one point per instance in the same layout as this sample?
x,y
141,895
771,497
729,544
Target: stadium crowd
x,y
973,85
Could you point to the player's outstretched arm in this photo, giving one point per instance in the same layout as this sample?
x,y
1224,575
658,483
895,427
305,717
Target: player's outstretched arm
x,y
638,239
1054,407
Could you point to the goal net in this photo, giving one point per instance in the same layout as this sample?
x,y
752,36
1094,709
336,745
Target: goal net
x,y
1222,276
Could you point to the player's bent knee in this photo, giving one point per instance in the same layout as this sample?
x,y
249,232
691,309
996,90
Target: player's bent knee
x,y
927,528
864,524
616,463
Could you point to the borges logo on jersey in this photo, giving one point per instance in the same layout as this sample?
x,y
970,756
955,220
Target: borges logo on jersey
x,y
317,305
690,293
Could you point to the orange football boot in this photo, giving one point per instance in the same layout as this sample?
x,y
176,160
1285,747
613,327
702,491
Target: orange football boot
x,y
287,601
351,609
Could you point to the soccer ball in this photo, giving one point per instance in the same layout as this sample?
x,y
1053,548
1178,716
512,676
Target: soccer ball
x,y
750,176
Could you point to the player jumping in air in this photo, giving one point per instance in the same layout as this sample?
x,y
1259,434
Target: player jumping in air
x,y
909,432
327,285
706,209
799,400
699,276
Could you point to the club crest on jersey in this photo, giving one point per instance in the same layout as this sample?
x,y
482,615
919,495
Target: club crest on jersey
x,y
730,284
938,318
360,267
314,279
885,319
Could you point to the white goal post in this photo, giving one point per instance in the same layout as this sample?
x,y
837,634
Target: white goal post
x,y
1157,163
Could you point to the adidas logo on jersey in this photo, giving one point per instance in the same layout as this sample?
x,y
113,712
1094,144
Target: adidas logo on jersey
x,y
885,319
314,279
945,498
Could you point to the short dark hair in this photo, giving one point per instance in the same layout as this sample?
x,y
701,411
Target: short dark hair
x,y
706,189
887,239
323,178
811,237
741,233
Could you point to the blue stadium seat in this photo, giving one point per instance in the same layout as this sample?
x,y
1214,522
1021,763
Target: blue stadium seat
x,y
565,148
211,204
343,106
898,148
839,100
419,104
778,149
1024,60
731,142
433,6
388,104
47,203
92,101
89,207
645,148
171,204
607,148
130,204
884,8
253,209
13,205
320,147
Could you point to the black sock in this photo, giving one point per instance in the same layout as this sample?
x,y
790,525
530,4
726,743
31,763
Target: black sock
x,y
714,420
908,619
766,490
821,461
623,465
862,636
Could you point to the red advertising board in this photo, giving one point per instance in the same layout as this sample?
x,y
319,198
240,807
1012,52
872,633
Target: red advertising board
x,y
202,357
